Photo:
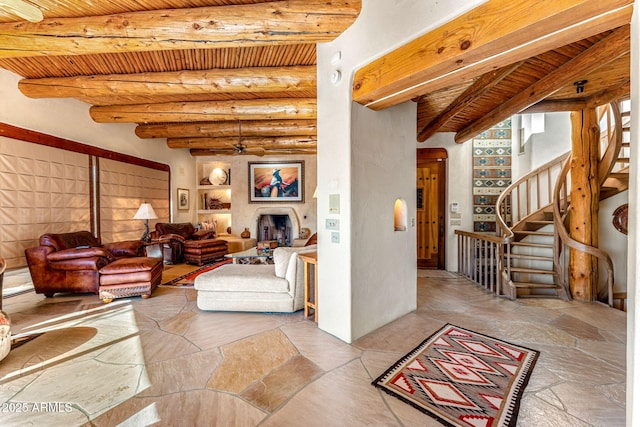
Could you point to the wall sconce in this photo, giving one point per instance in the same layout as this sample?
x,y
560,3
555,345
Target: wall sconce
x,y
146,212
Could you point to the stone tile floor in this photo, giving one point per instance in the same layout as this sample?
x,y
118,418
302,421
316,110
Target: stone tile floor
x,y
161,361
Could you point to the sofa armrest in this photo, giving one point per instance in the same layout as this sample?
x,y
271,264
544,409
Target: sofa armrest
x,y
75,253
127,248
203,235
174,237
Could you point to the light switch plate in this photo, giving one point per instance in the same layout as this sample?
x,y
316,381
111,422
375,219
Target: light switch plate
x,y
335,237
332,224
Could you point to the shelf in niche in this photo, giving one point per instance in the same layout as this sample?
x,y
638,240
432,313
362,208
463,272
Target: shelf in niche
x,y
214,211
214,187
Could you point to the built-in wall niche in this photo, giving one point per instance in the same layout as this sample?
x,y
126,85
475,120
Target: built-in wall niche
x,y
400,215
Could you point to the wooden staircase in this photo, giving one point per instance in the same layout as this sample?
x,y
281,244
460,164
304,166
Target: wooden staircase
x,y
532,215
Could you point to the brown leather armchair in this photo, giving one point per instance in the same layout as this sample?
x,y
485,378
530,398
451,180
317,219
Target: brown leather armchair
x,y
182,242
70,262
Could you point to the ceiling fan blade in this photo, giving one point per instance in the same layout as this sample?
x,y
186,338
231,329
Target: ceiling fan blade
x,y
22,9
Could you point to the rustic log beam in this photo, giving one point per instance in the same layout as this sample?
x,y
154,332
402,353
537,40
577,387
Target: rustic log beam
x,y
606,50
481,86
256,152
231,128
250,142
239,80
258,109
493,35
561,105
272,23
585,190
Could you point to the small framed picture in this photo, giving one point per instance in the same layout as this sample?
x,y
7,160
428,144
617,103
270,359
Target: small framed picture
x,y
183,199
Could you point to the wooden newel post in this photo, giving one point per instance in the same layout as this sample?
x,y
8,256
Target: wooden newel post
x,y
585,198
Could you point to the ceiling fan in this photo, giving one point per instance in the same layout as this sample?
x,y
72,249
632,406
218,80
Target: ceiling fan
x,y
22,9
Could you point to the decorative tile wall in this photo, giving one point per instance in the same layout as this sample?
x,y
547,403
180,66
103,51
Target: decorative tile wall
x,y
42,190
491,173
123,187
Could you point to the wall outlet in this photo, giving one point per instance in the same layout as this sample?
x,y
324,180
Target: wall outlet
x,y
335,237
332,224
413,222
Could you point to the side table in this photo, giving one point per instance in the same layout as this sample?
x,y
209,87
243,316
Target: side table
x,y
153,248
309,259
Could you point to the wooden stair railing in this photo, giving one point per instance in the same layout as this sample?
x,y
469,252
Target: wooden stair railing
x,y
539,199
611,146
521,210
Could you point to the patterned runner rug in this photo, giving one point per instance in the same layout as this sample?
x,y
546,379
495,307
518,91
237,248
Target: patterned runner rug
x,y
462,378
187,280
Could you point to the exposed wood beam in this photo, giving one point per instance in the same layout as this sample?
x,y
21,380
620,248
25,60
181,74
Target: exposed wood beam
x,y
277,22
609,95
560,105
493,35
284,142
256,152
258,109
601,53
481,86
239,80
232,128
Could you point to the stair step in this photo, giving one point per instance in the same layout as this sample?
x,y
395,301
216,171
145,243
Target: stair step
x,y
529,285
533,233
625,114
626,144
622,160
532,257
532,245
540,221
531,270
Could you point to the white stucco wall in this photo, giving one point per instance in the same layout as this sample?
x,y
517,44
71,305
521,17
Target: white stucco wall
x,y
345,302
69,119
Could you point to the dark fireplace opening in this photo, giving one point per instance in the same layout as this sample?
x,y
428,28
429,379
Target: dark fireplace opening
x,y
275,227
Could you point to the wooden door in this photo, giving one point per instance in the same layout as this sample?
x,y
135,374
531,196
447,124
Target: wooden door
x,y
430,204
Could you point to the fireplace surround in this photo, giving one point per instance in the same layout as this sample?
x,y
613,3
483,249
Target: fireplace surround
x,y
282,224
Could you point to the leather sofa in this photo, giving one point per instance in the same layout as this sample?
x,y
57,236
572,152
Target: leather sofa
x,y
71,262
182,242
277,287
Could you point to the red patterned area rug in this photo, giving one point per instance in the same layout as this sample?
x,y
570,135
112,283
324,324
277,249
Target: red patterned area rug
x,y
462,378
188,279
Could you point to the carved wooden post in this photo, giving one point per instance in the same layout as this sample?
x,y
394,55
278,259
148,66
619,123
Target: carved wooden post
x,y
585,189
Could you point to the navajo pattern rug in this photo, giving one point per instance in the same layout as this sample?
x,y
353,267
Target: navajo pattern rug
x,y
187,280
462,378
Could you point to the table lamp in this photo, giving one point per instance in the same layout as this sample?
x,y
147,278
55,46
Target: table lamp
x,y
146,212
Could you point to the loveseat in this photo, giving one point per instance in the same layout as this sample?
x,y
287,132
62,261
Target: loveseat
x,y
277,287
182,242
71,262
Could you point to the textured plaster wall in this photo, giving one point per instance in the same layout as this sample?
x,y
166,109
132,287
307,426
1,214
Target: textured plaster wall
x,y
343,294
68,118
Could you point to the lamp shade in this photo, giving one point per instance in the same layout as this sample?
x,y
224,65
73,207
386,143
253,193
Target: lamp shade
x,y
145,211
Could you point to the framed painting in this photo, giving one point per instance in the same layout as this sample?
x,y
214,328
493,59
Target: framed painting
x,y
183,199
276,181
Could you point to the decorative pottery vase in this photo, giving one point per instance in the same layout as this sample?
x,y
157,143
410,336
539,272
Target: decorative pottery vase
x,y
5,334
228,230
245,234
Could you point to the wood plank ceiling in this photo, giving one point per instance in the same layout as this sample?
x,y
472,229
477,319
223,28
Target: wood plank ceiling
x,y
503,58
216,76
222,77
